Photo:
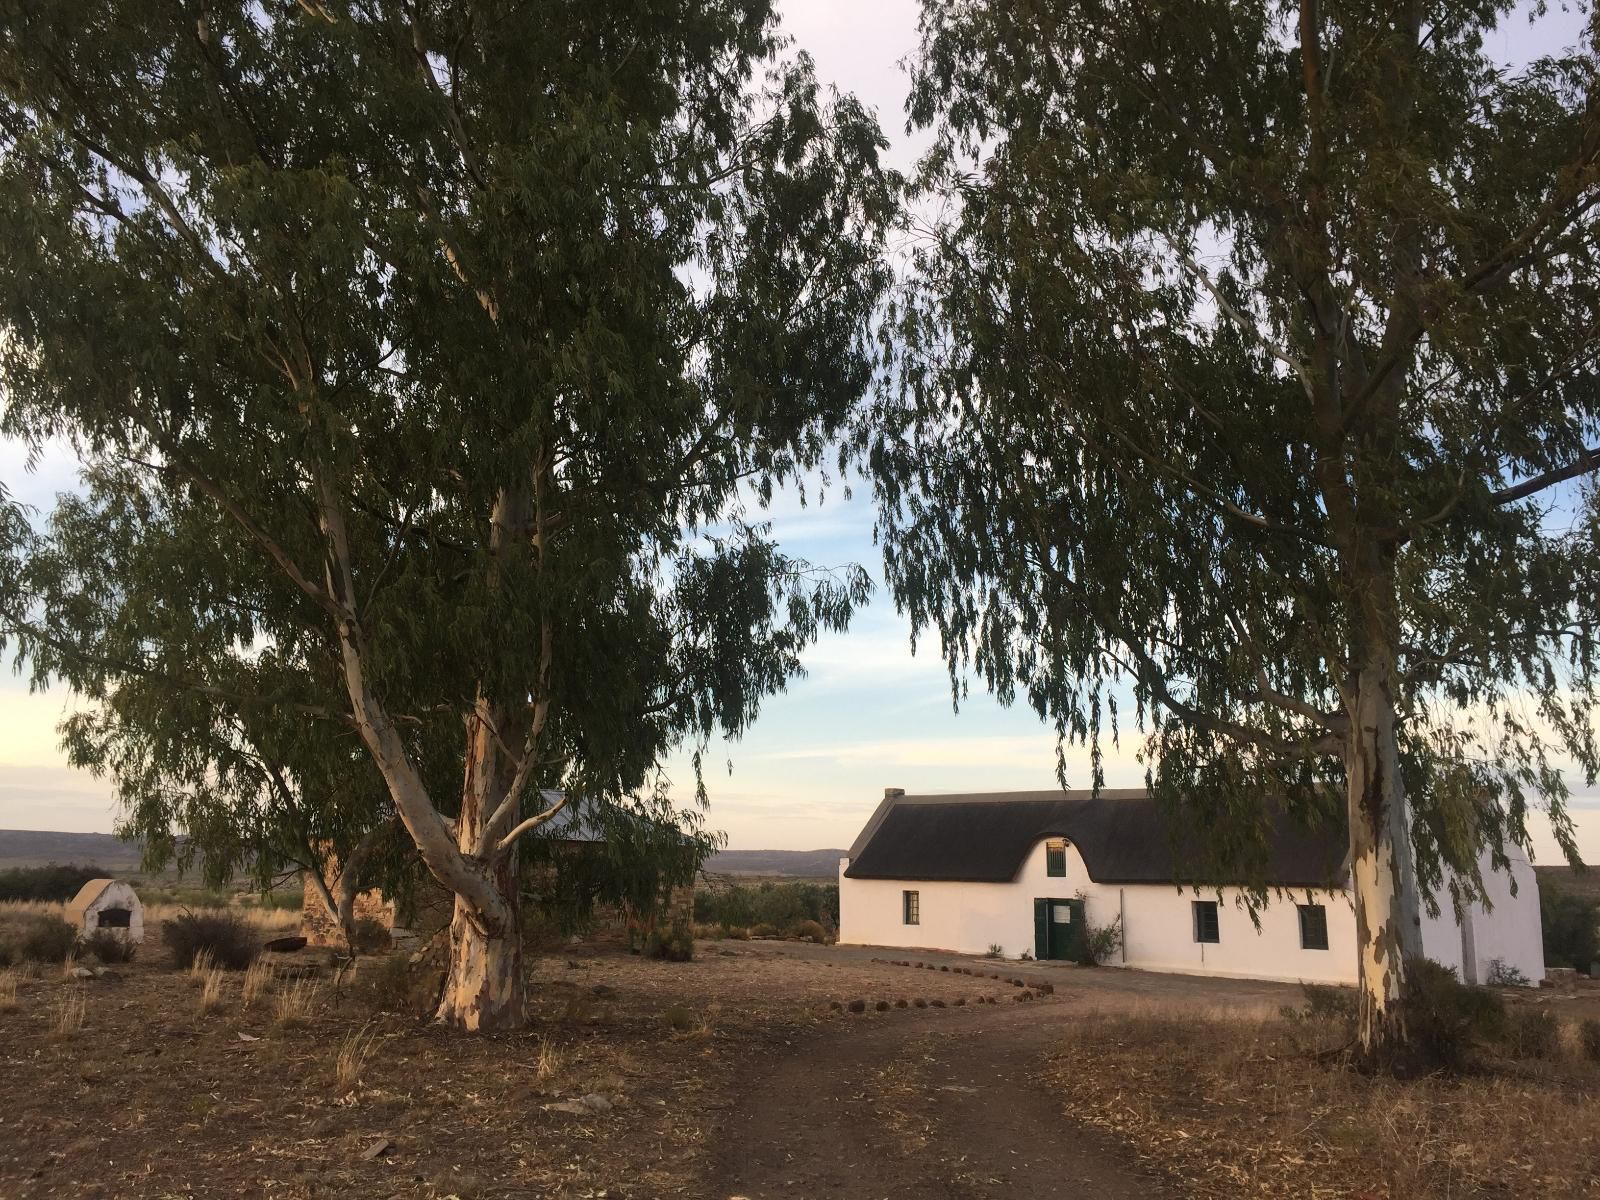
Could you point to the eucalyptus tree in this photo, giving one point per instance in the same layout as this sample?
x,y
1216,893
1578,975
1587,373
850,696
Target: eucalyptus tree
x,y
471,328
1250,378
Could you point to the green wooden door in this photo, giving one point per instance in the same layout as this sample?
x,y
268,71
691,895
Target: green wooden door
x,y
1058,928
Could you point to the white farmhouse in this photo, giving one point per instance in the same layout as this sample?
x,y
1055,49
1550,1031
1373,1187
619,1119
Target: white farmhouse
x,y
1031,871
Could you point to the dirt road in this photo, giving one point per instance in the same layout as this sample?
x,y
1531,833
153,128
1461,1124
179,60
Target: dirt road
x,y
918,1105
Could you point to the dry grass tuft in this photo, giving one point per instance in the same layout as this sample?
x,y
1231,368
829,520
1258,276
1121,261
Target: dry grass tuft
x,y
69,964
8,991
548,1064
295,1003
257,979
211,998
201,967
352,1057
70,1009
1242,1107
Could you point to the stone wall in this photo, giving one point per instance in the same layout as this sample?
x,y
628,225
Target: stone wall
x,y
320,929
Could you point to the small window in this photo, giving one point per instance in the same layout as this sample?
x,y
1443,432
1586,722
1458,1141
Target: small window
x,y
1055,859
1205,921
911,905
1313,927
115,918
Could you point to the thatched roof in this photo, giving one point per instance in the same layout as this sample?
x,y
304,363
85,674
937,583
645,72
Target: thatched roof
x,y
1123,836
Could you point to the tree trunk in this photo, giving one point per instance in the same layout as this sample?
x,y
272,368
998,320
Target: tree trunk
x,y
1382,870
483,987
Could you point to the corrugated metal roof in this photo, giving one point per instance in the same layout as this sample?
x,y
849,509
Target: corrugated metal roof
x,y
1123,836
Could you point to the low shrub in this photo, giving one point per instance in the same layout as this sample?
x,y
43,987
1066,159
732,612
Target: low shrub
x,y
1503,974
996,950
763,930
679,1017
1100,943
675,944
811,931
225,936
53,882
1324,1002
1589,1039
370,936
1447,1018
1533,1033
47,940
108,948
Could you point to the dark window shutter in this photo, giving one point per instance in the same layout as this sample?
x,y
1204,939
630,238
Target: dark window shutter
x,y
1206,926
1313,927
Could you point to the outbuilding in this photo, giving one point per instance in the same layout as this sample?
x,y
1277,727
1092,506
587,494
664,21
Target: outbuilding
x,y
110,905
1038,872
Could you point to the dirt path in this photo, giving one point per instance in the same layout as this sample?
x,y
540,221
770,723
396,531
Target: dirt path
x,y
936,1105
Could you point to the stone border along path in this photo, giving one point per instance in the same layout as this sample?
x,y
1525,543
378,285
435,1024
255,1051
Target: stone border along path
x,y
932,1106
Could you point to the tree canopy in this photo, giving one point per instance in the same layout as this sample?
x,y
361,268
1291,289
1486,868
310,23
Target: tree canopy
x,y
1250,376
426,359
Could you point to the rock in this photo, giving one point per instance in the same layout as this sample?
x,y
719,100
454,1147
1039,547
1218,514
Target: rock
x,y
575,1107
284,945
378,1149
595,1102
858,1006
248,1037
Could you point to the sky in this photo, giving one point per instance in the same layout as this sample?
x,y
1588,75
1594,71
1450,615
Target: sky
x,y
869,714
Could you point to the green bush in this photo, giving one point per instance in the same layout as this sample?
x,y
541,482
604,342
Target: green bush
x,y
1503,974
1324,1002
784,906
370,936
47,940
1571,925
54,882
675,944
1533,1033
107,947
1445,1017
1100,943
229,938
1589,1039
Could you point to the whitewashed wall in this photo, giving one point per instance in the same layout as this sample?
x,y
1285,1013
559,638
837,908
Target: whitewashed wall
x,y
1157,922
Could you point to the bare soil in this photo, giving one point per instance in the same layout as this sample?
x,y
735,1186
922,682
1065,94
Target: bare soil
x,y
733,1075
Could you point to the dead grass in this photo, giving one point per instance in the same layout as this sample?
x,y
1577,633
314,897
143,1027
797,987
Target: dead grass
x,y
295,1003
257,980
274,921
211,998
352,1057
8,991
70,1009
201,967
548,1065
1244,1105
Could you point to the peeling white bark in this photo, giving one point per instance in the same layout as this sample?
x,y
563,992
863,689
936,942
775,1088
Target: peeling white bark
x,y
1382,868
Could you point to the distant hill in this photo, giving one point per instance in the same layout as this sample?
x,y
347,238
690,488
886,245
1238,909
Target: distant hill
x,y
32,848
36,847
796,864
